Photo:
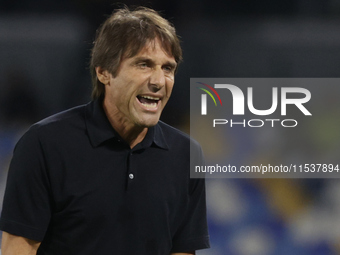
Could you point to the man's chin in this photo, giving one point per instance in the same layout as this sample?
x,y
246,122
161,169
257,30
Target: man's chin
x,y
149,122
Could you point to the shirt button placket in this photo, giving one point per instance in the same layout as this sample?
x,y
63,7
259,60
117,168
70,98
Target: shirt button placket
x,y
130,171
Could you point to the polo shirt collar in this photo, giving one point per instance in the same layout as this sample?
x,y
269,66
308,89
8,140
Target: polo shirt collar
x,y
159,138
100,130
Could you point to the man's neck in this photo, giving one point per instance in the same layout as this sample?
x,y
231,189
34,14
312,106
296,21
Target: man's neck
x,y
130,133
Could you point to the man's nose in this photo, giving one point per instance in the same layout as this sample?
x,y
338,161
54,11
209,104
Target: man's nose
x,y
157,78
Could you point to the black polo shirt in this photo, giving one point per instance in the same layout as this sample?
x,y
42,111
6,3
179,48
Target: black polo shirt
x,y
75,185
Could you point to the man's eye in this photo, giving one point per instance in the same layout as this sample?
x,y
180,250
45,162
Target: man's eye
x,y
143,65
168,69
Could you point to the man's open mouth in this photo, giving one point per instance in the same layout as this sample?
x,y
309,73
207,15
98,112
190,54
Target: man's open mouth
x,y
149,101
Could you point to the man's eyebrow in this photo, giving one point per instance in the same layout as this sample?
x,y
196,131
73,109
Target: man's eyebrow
x,y
173,64
137,59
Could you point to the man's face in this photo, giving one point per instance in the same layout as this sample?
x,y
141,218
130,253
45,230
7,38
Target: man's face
x,y
142,87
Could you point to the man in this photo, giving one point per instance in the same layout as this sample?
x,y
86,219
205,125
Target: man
x,y
109,177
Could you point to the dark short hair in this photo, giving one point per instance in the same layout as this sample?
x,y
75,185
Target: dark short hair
x,y
124,34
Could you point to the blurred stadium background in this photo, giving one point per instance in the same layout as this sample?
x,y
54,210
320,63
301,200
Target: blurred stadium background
x,y
44,51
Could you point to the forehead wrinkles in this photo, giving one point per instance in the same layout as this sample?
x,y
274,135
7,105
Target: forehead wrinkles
x,y
149,46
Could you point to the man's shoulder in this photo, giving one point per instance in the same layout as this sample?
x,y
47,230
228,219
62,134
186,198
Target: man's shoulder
x,y
69,116
59,124
60,128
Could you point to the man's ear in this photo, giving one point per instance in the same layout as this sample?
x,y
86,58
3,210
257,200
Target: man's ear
x,y
103,75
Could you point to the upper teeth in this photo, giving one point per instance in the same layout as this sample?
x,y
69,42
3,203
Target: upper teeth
x,y
150,97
